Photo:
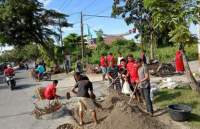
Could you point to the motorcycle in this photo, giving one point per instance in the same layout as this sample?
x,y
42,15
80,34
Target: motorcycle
x,y
11,82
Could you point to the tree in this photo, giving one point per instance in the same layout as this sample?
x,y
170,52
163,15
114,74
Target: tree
x,y
26,21
28,52
134,12
176,15
99,34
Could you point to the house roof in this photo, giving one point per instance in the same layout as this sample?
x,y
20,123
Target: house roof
x,y
110,39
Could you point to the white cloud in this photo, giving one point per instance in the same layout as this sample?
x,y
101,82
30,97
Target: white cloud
x,y
45,2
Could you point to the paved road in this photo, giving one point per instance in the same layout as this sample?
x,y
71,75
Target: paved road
x,y
16,106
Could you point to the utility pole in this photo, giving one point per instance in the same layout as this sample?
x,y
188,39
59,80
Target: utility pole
x,y
198,33
82,38
61,40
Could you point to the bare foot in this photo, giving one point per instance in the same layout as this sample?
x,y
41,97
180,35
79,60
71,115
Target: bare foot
x,y
81,123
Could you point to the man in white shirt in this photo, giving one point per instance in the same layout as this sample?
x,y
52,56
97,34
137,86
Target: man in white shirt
x,y
119,58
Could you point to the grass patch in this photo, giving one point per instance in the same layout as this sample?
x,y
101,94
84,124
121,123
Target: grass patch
x,y
165,54
182,95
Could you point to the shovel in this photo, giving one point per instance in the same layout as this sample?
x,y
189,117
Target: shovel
x,y
132,94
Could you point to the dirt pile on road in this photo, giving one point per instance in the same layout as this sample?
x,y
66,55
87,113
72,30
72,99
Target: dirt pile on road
x,y
117,114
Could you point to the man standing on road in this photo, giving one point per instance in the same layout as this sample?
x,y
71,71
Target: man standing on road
x,y
144,85
85,102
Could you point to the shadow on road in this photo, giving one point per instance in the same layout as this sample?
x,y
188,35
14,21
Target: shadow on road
x,y
4,87
20,114
24,86
19,78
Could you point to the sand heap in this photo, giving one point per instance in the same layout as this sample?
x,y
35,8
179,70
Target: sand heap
x,y
117,114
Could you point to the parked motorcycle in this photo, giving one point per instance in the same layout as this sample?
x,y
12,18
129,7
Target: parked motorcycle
x,y
11,82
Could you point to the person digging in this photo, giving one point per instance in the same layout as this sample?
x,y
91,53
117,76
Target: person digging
x,y
85,102
144,85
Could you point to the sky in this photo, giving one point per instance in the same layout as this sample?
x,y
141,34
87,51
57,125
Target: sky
x,y
94,7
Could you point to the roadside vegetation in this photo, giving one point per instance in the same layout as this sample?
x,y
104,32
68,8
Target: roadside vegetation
x,y
183,95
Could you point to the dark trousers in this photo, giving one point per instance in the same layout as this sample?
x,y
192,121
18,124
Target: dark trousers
x,y
146,94
116,85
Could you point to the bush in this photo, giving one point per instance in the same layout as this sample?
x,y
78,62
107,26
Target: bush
x,y
123,46
165,54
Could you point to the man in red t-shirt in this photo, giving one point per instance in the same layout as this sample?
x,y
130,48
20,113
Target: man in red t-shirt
x,y
110,58
132,69
103,65
9,71
50,91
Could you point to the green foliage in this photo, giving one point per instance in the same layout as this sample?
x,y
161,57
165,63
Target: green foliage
x,y
173,17
164,54
27,21
159,21
56,53
123,46
181,96
99,34
73,47
28,52
167,54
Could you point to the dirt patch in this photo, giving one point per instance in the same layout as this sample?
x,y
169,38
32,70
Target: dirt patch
x,y
67,126
117,114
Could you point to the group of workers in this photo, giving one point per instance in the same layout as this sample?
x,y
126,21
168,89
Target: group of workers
x,y
85,101
133,71
125,70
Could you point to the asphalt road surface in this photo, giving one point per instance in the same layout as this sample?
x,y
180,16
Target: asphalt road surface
x,y
16,106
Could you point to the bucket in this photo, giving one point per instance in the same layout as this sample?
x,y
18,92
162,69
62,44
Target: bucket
x,y
179,112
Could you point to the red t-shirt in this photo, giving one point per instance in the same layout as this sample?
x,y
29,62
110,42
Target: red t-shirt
x,y
103,61
132,69
50,92
179,62
110,59
9,71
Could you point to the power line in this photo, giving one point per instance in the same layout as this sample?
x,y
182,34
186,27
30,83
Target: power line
x,y
96,16
89,5
74,13
100,12
100,16
64,3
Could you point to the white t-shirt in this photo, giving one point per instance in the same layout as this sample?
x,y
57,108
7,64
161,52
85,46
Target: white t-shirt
x,y
118,60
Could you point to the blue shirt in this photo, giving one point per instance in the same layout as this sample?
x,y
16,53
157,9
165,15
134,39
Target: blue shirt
x,y
40,69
